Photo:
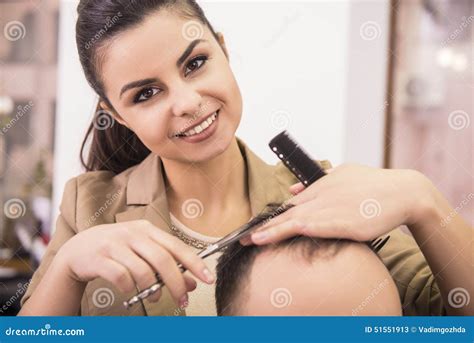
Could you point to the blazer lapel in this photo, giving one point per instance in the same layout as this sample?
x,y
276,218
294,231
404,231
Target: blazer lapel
x,y
146,199
268,183
263,184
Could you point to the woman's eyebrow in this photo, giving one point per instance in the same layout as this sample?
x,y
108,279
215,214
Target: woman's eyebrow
x,y
181,59
136,84
188,51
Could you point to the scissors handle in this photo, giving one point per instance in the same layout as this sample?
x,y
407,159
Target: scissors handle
x,y
150,290
159,281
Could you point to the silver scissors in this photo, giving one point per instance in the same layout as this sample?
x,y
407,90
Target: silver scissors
x,y
232,237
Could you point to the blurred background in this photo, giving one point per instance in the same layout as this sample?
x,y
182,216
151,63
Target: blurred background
x,y
383,83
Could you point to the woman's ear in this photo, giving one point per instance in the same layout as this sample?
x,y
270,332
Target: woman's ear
x,y
112,113
220,39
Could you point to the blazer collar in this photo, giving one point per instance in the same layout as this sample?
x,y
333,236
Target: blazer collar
x,y
146,184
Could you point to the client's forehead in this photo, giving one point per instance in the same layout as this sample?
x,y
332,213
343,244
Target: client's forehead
x,y
284,282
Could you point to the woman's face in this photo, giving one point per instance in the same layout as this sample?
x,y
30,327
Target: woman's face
x,y
162,81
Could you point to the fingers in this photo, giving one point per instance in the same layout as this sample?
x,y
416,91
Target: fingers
x,y
296,188
279,232
139,266
304,219
162,262
246,240
182,253
143,275
302,194
324,224
116,274
299,187
190,282
287,215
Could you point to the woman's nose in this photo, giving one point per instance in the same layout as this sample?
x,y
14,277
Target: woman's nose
x,y
185,101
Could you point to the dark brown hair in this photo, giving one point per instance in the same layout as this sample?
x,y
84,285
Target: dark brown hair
x,y
235,264
114,147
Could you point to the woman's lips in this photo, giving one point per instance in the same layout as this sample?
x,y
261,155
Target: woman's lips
x,y
203,135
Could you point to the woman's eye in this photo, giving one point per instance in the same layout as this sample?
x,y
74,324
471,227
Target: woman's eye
x,y
145,94
195,64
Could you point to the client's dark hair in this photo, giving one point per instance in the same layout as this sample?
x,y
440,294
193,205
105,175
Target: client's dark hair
x,y
235,264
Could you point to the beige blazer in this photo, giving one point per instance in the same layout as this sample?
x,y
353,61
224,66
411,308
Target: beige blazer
x,y
139,193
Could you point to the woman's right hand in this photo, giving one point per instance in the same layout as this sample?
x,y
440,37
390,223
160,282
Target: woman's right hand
x,y
129,254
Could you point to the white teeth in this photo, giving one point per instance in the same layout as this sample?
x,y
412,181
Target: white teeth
x,y
201,127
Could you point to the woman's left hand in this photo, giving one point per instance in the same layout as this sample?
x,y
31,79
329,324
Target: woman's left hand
x,y
352,201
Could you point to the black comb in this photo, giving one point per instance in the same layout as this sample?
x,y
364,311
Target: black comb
x,y
306,169
296,159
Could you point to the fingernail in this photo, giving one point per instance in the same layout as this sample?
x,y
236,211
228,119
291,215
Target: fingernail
x,y
183,302
208,275
260,236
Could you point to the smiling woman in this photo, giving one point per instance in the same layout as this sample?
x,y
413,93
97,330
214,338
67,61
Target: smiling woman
x,y
157,94
181,179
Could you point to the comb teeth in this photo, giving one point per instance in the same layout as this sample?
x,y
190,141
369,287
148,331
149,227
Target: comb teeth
x,y
296,159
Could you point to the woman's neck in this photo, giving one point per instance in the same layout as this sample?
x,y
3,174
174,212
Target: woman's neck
x,y
208,191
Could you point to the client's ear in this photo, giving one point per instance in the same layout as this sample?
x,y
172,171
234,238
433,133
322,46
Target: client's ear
x,y
113,113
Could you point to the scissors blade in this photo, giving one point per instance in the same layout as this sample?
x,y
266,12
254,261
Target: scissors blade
x,y
244,230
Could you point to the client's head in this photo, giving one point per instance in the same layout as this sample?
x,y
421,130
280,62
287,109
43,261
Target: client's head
x,y
304,276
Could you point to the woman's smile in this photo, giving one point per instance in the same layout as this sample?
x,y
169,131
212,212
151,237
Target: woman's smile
x,y
201,131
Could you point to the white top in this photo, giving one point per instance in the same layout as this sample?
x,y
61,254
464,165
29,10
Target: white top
x,y
202,299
